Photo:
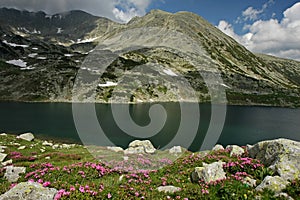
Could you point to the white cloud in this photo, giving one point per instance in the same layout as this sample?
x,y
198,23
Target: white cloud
x,y
279,38
253,14
118,10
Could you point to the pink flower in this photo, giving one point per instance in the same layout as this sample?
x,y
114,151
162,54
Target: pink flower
x,y
136,194
13,185
47,183
109,195
72,188
40,181
81,189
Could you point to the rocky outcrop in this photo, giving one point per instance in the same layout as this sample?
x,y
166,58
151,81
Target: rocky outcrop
x,y
115,149
138,146
235,150
12,174
274,183
280,155
26,136
175,150
209,172
168,189
29,191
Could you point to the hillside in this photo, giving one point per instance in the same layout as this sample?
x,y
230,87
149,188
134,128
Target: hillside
x,y
158,57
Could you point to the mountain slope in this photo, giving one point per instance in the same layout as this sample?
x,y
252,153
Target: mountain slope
x,y
158,57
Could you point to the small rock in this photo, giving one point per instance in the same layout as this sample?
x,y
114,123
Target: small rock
x,y
2,149
168,189
283,195
8,162
42,150
3,134
235,150
2,156
48,158
46,143
218,147
121,178
274,183
249,181
209,172
12,173
26,136
138,146
125,158
29,190
115,149
175,150
56,146
22,147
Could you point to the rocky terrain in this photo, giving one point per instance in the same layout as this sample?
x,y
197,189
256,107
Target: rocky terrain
x,y
36,169
75,56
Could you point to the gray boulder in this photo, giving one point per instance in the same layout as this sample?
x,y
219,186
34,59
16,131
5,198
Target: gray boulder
x,y
115,149
12,174
235,150
26,136
29,191
168,189
280,155
2,157
274,183
175,150
218,147
138,146
209,172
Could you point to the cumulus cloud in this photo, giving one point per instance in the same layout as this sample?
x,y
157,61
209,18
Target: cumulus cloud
x,y
274,37
253,14
118,10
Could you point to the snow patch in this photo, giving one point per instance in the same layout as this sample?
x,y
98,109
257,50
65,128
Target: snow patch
x,y
48,16
15,45
19,63
225,85
79,41
69,55
59,30
32,55
35,48
169,72
108,84
41,58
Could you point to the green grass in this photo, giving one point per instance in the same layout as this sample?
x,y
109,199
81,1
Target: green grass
x,y
78,175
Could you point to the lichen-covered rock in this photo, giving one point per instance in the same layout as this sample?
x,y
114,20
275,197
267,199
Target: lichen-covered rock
x,y
12,174
175,150
138,146
115,149
249,181
235,150
168,189
29,191
26,136
281,155
217,147
209,172
274,183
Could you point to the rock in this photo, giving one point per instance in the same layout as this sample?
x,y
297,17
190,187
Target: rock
x,y
138,146
274,183
280,155
46,143
56,146
283,195
249,181
22,147
218,147
42,150
209,172
168,189
121,178
115,149
26,136
29,190
12,173
235,150
2,156
3,134
8,162
175,150
125,158
47,158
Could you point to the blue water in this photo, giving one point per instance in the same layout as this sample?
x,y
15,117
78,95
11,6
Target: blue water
x,y
243,124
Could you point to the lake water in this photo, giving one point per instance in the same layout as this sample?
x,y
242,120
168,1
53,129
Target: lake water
x,y
243,124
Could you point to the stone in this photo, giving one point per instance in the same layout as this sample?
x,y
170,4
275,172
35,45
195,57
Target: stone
x,y
138,146
280,155
283,195
115,149
218,147
56,146
8,162
46,143
2,156
26,136
209,172
121,178
42,150
249,181
175,150
12,174
47,158
168,189
235,150
30,191
3,134
274,183
22,147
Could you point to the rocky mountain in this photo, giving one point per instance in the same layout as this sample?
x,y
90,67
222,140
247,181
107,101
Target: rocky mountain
x,y
158,57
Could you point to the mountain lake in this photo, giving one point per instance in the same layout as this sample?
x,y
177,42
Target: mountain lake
x,y
54,121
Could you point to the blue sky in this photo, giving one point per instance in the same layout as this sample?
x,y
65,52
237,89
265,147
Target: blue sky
x,y
263,26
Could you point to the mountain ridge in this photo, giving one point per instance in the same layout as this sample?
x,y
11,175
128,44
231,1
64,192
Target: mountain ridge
x,y
248,78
